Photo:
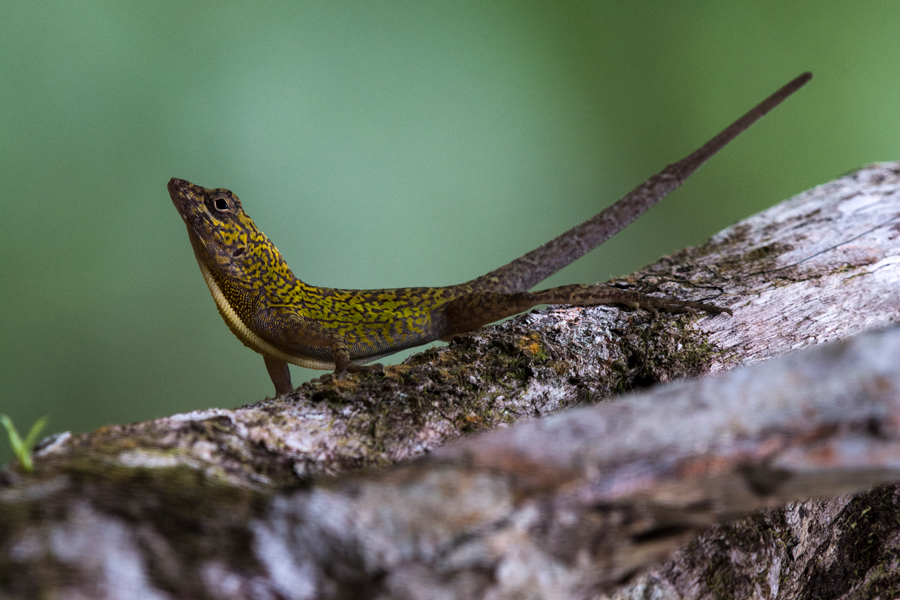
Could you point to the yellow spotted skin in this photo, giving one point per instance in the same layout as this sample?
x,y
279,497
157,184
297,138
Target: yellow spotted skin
x,y
288,321
303,321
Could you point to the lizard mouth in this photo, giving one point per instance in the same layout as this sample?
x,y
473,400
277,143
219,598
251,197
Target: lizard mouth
x,y
178,192
185,202
189,208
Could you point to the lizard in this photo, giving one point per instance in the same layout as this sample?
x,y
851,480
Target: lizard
x,y
288,321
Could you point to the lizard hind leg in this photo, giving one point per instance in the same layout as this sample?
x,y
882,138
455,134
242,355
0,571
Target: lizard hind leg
x,y
474,310
592,295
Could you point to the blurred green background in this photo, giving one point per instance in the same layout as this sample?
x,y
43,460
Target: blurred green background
x,y
378,144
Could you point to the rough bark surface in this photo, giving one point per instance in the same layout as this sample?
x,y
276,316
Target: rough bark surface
x,y
260,502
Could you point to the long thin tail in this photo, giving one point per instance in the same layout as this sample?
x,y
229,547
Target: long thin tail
x,y
529,269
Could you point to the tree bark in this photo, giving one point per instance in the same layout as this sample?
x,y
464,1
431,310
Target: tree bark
x,y
267,501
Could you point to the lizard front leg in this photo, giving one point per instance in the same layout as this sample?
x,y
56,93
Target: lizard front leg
x,y
342,365
280,375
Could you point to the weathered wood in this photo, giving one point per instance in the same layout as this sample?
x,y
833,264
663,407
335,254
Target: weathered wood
x,y
206,504
821,266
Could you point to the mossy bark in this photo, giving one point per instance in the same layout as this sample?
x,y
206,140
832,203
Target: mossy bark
x,y
290,498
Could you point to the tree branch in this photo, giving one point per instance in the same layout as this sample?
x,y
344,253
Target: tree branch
x,y
223,504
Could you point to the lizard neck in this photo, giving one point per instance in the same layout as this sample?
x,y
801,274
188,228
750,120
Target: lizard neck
x,y
235,310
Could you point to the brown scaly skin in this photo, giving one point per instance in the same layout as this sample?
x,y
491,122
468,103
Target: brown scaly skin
x,y
288,321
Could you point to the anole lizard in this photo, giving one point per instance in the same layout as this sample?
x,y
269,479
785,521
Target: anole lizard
x,y
289,321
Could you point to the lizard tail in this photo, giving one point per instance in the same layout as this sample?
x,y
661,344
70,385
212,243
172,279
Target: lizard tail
x,y
535,266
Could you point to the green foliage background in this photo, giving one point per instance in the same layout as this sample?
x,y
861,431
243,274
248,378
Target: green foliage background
x,y
378,144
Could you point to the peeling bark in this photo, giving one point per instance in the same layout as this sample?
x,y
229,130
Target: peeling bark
x,y
262,502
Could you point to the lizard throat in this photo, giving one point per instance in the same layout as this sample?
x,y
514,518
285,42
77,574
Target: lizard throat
x,y
245,334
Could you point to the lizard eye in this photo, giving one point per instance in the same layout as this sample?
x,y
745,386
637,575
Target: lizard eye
x,y
222,204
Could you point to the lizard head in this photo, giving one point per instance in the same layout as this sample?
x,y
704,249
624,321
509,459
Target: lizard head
x,y
224,237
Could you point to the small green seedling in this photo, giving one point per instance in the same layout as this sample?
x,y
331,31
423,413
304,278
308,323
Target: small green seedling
x,y
22,449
